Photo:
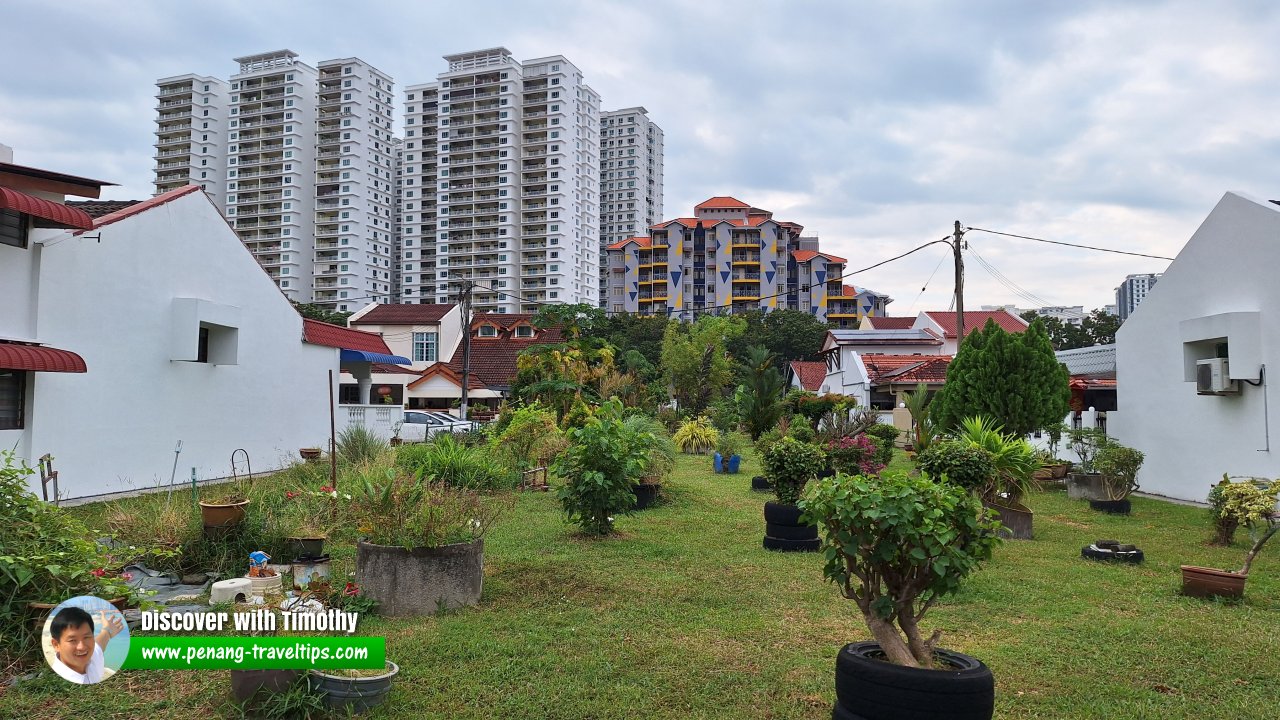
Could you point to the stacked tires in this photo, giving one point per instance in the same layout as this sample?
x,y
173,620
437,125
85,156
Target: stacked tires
x,y
783,530
868,688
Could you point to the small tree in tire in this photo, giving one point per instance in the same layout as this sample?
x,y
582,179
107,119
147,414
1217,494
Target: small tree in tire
x,y
894,545
789,464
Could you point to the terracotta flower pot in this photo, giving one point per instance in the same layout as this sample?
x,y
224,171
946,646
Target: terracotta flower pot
x,y
222,515
309,454
1208,582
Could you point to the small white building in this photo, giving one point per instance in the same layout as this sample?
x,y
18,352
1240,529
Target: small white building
x,y
425,334
176,335
1191,361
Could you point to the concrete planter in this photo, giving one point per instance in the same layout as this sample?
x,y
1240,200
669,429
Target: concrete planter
x,y
1016,519
421,580
1086,486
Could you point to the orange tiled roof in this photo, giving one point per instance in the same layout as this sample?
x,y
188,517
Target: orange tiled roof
x,y
642,241
976,319
807,255
721,201
811,374
891,323
906,369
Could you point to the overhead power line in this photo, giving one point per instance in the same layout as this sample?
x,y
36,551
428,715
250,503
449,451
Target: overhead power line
x,y
1067,244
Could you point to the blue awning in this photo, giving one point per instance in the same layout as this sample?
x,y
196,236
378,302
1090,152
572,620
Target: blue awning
x,y
362,356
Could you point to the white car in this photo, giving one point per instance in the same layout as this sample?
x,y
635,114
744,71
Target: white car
x,y
422,424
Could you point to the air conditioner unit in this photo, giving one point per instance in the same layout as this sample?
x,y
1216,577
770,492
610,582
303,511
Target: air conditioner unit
x,y
1212,378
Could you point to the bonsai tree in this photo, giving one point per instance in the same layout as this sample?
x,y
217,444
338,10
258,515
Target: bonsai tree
x,y
895,545
790,464
1262,525
1085,442
1251,502
1119,467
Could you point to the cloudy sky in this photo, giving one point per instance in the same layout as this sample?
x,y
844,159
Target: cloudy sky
x,y
875,125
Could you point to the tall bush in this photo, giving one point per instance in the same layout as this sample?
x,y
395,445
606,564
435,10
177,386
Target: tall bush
x,y
759,398
606,458
790,464
1013,378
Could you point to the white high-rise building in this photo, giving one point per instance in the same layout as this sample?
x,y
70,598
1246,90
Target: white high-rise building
x,y
191,134
354,186
1133,291
501,184
300,160
630,179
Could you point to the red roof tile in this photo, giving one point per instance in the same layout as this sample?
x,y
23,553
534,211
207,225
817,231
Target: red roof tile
x,y
807,255
98,208
909,369
17,356
811,374
453,375
63,215
322,333
386,369
145,205
721,201
976,320
643,242
892,323
403,315
493,360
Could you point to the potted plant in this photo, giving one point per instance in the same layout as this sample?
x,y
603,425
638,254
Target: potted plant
x,y
649,434
895,545
1225,523
310,454
226,511
422,545
604,462
354,691
1013,465
1119,467
789,464
1086,443
728,448
696,437
396,440
1055,467
310,516
1251,503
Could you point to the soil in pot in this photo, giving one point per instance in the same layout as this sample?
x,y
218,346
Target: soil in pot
x,y
354,691
783,530
1112,507
871,688
646,494
1208,582
1016,517
421,580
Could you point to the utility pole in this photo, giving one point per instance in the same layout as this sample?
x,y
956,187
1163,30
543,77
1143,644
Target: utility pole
x,y
466,346
955,246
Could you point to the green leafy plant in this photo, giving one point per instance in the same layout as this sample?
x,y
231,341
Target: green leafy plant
x,y
845,420
696,437
887,435
895,545
358,444
662,451
530,433
1013,458
918,406
790,464
759,398
730,444
958,462
446,460
1119,466
396,508
605,459
1086,442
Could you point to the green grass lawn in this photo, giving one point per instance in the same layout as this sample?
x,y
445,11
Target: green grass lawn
x,y
685,615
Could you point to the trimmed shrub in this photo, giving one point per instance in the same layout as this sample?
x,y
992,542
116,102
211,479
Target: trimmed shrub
x,y
789,464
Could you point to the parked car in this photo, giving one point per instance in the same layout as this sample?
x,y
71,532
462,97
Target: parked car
x,y
422,424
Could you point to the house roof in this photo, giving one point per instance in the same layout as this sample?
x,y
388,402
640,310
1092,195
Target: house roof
x,y
642,241
1098,361
57,177
389,369
98,208
493,361
22,356
877,336
855,291
976,320
811,373
906,369
453,375
807,255
335,336
403,315
136,208
752,221
892,323
721,201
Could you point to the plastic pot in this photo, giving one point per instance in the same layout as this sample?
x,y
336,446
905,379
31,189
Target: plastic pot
x,y
354,694
734,463
646,494
1208,582
222,515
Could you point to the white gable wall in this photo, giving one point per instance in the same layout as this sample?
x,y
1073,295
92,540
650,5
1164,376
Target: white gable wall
x,y
112,301
1190,440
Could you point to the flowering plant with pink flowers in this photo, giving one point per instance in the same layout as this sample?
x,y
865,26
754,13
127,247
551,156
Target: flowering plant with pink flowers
x,y
854,455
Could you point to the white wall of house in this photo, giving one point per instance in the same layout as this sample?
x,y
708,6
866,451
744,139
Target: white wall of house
x,y
1221,286
125,302
849,377
400,337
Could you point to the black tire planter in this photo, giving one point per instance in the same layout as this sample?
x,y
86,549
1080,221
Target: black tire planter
x,y
421,580
646,494
1119,553
1112,507
760,483
784,532
354,694
840,712
870,688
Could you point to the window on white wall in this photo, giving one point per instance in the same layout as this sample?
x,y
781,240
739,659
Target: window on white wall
x,y
424,346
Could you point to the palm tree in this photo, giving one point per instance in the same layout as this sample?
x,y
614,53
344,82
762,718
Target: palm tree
x,y
759,398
